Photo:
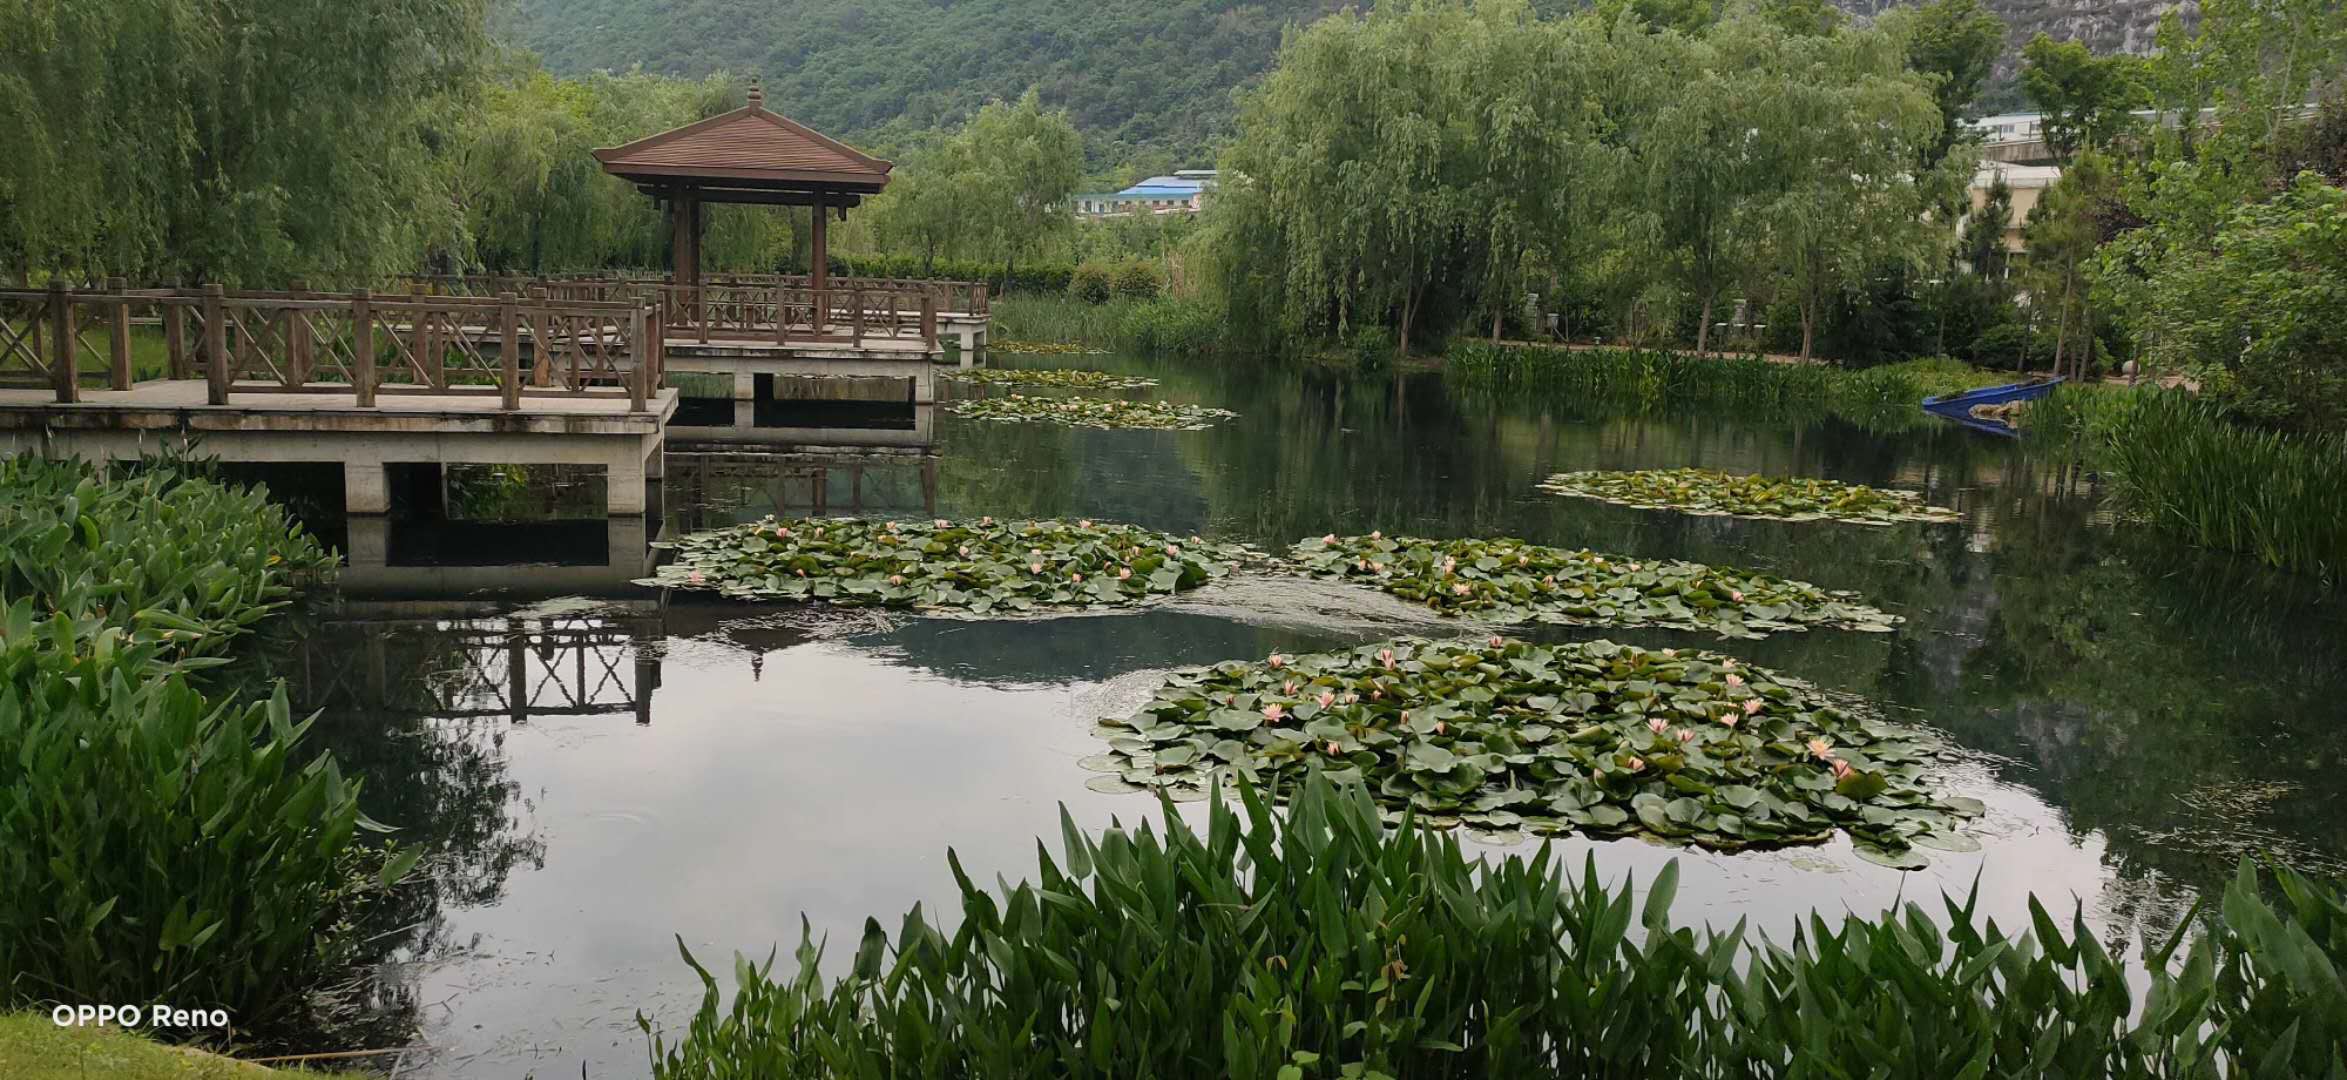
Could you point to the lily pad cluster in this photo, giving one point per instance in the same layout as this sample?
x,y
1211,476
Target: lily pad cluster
x,y
1710,492
1593,738
983,567
1064,378
1046,348
1092,412
1507,580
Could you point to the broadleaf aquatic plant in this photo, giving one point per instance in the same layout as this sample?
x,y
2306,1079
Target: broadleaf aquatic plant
x,y
1595,738
982,566
1710,492
1061,378
1506,580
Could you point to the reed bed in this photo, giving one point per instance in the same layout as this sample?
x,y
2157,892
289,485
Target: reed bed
x,y
1647,381
1329,946
2182,466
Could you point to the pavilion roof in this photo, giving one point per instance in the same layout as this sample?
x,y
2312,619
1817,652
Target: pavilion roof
x,y
750,147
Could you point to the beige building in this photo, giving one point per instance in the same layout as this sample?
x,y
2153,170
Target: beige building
x,y
2028,184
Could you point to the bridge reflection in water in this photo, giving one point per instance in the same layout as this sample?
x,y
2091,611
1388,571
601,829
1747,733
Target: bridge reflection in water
x,y
439,660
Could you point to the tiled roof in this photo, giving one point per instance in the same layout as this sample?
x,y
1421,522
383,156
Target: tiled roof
x,y
750,146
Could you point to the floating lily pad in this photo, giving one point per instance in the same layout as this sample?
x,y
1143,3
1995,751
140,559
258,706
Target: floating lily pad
x,y
1092,412
1709,492
1065,378
1508,580
1045,348
984,567
1607,740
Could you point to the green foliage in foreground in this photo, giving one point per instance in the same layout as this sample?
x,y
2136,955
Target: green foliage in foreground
x,y
1596,738
1092,412
1712,493
1507,580
1066,378
1326,945
979,566
1650,381
159,843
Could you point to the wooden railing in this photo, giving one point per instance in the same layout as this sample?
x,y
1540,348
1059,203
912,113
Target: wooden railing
x,y
363,344
958,298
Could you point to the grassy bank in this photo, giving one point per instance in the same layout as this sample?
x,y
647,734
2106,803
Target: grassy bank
x,y
1330,946
1643,381
34,1048
174,843
2181,466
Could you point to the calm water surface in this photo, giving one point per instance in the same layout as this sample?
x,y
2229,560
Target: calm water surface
x,y
600,771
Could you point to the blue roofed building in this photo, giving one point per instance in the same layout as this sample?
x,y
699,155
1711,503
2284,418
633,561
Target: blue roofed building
x,y
1184,192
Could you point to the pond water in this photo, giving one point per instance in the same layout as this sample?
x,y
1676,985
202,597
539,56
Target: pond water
x,y
600,771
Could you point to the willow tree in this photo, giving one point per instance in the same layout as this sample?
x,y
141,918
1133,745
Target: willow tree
x,y
1399,162
1028,160
1705,152
247,142
1845,123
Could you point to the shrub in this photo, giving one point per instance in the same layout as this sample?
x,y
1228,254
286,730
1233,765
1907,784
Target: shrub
x,y
1331,946
1139,279
2187,468
1091,284
1167,326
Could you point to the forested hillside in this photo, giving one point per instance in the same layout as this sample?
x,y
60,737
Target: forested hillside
x,y
1146,80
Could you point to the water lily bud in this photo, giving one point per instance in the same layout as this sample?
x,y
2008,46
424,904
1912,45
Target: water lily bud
x,y
985,521
694,577
1328,541
896,579
1376,535
1077,576
1735,596
1124,572
1686,736
1637,764
1334,749
1084,524
965,551
1439,727
1498,641
1035,568
1278,661
1288,687
942,523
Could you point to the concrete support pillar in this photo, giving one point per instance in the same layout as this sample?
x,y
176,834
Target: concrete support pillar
x,y
623,482
924,386
745,385
368,546
365,489
627,544
971,339
745,413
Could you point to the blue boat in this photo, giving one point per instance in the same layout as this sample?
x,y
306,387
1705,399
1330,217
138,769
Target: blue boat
x,y
1958,407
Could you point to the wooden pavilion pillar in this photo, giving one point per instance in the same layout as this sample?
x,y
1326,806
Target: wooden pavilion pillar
x,y
819,265
684,227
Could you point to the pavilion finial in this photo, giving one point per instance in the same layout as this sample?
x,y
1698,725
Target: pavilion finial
x,y
757,95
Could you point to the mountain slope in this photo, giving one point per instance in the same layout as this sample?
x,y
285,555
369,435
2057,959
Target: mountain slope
x,y
1137,75
1148,81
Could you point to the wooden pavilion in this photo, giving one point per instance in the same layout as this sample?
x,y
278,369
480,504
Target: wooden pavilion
x,y
750,155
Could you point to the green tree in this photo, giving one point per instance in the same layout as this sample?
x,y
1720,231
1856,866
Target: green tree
x,y
1027,160
1982,244
251,142
1956,43
2261,317
2063,234
2086,100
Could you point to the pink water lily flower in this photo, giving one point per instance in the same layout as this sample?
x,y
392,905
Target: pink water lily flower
x,y
1498,641
1729,719
1821,749
965,551
1350,698
1273,713
896,579
1460,588
1386,657
802,572
783,532
1548,581
985,521
1634,568
1440,727
1686,736
1735,680
1728,664
1288,687
1328,541
1736,596
1278,661
1084,524
1752,706
1523,560
1657,724
1637,764
892,526
1034,568
942,523
1377,567
1327,698
1334,749
1842,769
1124,572
695,577
1670,652
1173,551
1078,577
1375,534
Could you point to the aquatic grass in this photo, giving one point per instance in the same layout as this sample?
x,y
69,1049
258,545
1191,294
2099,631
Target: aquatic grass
x,y
160,842
1060,378
979,566
1506,580
1712,493
1043,348
1651,381
2183,467
1321,943
1111,413
1595,738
